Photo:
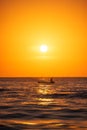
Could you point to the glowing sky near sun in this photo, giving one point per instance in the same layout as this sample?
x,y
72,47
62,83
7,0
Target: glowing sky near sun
x,y
28,24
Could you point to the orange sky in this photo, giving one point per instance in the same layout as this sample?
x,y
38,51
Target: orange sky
x,y
26,24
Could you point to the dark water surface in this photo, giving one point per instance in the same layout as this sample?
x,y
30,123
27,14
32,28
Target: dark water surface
x,y
26,104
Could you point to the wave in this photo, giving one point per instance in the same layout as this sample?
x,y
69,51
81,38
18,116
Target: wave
x,y
65,95
5,127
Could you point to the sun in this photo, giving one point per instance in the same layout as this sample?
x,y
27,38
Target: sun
x,y
43,48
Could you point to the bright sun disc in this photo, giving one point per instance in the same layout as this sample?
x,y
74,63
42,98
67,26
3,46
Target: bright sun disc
x,y
43,48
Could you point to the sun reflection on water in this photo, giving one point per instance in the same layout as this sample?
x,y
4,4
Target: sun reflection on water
x,y
44,101
45,89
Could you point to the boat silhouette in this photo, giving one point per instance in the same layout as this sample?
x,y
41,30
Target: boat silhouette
x,y
47,82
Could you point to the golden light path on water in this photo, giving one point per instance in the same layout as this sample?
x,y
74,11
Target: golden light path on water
x,y
45,89
51,124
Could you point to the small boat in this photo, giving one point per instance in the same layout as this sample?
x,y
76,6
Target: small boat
x,y
47,82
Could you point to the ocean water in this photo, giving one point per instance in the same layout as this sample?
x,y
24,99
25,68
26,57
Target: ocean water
x,y
26,104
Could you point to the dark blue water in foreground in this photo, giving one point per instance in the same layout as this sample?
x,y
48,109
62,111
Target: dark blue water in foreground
x,y
26,104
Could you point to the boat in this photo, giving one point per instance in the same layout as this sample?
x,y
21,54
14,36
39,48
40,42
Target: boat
x,y
47,82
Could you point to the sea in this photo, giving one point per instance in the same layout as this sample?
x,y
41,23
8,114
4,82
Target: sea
x,y
26,104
